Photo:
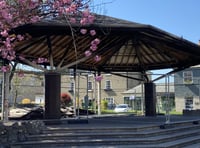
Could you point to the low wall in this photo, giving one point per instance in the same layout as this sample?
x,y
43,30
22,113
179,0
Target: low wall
x,y
11,132
191,112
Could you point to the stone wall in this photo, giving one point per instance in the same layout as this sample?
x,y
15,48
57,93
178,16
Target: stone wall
x,y
11,132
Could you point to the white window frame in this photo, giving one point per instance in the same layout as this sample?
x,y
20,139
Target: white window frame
x,y
108,87
71,73
189,103
187,77
110,100
90,85
71,87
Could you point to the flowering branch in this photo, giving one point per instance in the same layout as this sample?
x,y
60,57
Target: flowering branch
x,y
16,13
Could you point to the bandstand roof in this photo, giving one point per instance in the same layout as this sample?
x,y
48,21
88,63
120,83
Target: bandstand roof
x,y
125,46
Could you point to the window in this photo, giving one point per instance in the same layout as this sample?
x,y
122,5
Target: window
x,y
108,85
126,100
187,77
189,103
110,100
71,72
108,74
90,74
89,85
71,87
111,104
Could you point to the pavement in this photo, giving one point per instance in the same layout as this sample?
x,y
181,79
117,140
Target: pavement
x,y
122,120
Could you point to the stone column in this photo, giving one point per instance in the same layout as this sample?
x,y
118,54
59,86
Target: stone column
x,y
52,95
150,99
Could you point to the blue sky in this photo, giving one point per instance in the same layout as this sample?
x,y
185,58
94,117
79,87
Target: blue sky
x,y
179,17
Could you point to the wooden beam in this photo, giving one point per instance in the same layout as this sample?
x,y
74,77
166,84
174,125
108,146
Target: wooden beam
x,y
34,65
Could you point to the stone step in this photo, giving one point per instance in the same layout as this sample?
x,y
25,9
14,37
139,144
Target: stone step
x,y
97,129
107,134
181,143
65,128
163,137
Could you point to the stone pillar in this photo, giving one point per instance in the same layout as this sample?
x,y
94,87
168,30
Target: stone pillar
x,y
52,95
150,99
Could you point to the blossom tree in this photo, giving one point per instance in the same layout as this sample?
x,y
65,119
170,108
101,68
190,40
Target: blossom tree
x,y
16,13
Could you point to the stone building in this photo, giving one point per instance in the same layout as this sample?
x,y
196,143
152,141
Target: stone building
x,y
164,97
111,87
31,86
187,89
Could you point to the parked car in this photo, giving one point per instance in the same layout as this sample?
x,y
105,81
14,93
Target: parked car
x,y
122,108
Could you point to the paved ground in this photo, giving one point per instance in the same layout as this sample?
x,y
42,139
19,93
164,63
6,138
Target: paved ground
x,y
121,120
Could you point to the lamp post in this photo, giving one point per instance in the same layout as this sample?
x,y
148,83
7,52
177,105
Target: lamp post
x,y
86,97
168,101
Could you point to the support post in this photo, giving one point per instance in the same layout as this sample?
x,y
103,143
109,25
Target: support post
x,y
150,99
74,91
52,95
5,93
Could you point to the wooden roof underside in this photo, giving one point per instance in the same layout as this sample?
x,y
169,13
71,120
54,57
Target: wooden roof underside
x,y
124,46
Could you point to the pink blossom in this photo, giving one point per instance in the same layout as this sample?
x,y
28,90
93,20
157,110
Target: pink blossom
x,y
68,10
67,1
92,32
7,43
72,20
20,37
5,68
4,33
73,7
10,58
98,78
4,54
2,4
95,41
20,74
23,12
91,19
93,47
34,19
7,16
87,53
83,31
83,21
97,58
86,13
42,60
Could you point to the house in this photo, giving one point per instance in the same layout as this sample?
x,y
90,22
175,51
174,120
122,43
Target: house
x,y
187,89
31,86
111,86
164,95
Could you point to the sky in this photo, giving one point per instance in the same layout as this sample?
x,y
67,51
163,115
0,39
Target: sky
x,y
178,17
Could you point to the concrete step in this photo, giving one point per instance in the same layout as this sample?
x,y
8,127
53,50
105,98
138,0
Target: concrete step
x,y
170,137
181,143
114,133
96,129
